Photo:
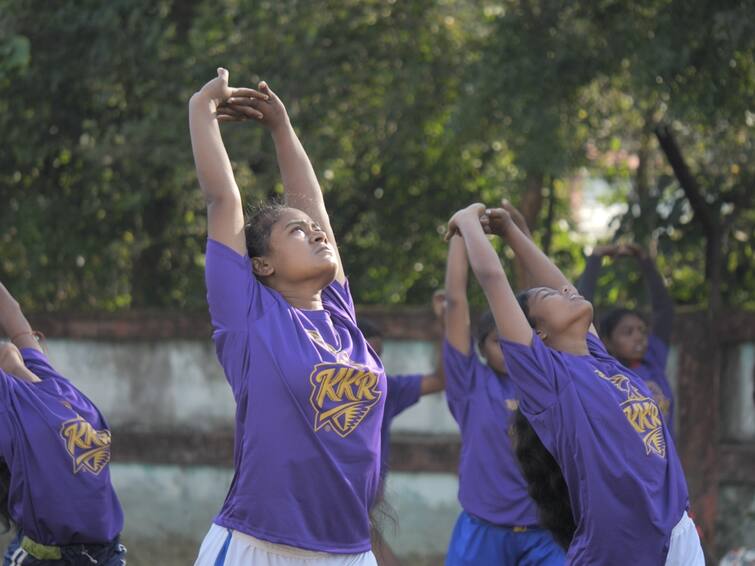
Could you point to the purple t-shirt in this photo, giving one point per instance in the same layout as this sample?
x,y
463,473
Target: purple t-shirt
x,y
403,392
309,393
601,424
491,484
652,370
56,445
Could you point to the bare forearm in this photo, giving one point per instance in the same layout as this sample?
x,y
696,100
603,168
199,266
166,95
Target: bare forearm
x,y
299,179
510,321
457,270
482,257
663,304
542,271
213,166
13,323
457,322
12,319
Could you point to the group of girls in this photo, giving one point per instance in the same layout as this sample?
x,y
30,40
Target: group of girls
x,y
312,399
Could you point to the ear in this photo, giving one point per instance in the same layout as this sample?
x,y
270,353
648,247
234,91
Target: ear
x,y
261,266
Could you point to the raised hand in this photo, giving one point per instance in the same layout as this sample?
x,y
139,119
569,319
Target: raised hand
x,y
217,90
476,210
631,250
609,250
262,105
517,217
497,221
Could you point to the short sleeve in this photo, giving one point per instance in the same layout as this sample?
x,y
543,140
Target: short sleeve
x,y
39,363
657,353
403,392
537,372
233,292
336,298
232,349
460,371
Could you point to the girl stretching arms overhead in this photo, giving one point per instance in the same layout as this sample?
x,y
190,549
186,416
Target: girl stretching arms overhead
x,y
597,419
309,390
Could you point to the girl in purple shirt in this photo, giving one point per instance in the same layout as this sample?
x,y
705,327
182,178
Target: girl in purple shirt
x,y
498,523
55,487
308,388
641,347
598,420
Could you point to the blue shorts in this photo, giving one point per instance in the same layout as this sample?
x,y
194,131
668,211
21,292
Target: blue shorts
x,y
109,554
475,542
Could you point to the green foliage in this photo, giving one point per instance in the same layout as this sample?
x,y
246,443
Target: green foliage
x,y
409,111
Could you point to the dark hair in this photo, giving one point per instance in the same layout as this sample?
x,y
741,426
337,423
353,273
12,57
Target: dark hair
x,y
5,520
485,325
523,299
545,482
369,329
610,320
262,217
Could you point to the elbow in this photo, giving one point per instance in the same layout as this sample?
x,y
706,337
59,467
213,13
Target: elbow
x,y
455,300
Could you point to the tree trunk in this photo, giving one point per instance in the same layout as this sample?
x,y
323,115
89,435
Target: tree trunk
x,y
703,214
532,200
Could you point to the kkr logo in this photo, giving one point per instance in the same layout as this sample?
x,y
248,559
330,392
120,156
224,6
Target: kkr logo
x,y
642,413
89,448
342,396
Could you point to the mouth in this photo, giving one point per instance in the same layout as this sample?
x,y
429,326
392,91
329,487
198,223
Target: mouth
x,y
324,249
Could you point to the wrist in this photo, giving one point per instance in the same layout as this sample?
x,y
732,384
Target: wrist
x,y
282,129
505,229
201,99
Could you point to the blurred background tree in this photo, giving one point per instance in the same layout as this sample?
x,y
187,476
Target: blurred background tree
x,y
607,120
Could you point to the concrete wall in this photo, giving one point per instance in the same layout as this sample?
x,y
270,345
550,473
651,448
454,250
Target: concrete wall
x,y
171,413
174,388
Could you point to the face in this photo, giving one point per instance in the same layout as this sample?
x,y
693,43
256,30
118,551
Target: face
x,y
377,344
558,312
492,352
299,252
629,339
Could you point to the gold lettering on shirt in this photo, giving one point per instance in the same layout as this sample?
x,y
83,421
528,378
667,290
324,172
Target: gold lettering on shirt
x,y
89,448
642,413
342,396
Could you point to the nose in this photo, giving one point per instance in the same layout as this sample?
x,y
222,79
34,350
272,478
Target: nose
x,y
318,236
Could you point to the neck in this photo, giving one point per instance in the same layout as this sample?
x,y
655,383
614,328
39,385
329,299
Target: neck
x,y
302,297
570,344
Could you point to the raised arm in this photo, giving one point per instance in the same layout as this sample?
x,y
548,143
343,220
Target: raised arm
x,y
436,381
300,183
225,216
13,323
588,281
457,323
660,299
510,320
542,271
523,278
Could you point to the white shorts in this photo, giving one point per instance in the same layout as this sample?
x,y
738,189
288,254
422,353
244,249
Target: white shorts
x,y
226,547
684,546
